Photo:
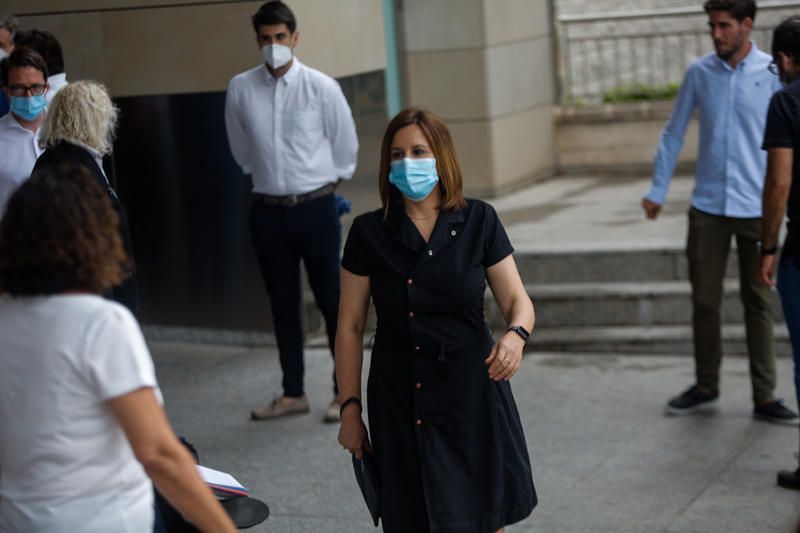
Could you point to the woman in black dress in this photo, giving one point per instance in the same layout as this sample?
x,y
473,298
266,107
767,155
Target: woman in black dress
x,y
445,430
78,129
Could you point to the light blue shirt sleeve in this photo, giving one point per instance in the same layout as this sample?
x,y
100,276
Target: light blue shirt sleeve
x,y
671,140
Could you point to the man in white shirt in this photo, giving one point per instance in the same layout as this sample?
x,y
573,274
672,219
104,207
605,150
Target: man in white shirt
x,y
23,76
291,129
49,48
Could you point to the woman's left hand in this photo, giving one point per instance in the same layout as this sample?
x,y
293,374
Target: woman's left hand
x,y
506,357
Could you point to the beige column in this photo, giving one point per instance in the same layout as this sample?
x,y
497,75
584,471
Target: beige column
x,y
485,66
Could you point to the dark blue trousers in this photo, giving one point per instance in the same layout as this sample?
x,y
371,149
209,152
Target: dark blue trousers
x,y
281,237
789,290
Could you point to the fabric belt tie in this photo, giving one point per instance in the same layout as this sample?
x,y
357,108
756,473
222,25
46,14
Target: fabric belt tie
x,y
294,199
440,352
441,359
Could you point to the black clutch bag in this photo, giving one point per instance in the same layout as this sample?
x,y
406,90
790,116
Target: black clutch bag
x,y
367,477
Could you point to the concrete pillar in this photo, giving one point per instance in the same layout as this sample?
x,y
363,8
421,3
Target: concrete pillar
x,y
485,66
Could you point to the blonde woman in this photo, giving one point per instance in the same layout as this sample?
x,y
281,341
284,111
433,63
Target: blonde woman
x,y
79,129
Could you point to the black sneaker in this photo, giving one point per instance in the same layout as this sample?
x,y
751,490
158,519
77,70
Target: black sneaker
x,y
789,479
691,400
775,412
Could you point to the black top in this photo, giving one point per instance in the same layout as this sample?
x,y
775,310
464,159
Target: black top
x,y
448,441
783,131
126,292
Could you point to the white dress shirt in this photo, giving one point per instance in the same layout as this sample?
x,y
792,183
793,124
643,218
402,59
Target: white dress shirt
x,y
293,134
56,83
19,150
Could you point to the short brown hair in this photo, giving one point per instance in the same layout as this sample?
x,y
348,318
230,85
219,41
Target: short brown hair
x,y
273,13
46,44
60,233
438,136
738,9
21,57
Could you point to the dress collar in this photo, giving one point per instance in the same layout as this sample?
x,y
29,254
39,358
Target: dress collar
x,y
403,230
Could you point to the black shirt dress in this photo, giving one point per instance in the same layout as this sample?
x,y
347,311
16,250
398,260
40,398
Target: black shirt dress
x,y
447,439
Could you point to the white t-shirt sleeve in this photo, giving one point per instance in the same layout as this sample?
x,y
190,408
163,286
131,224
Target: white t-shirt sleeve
x,y
116,356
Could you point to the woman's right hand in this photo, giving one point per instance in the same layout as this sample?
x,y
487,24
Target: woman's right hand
x,y
352,432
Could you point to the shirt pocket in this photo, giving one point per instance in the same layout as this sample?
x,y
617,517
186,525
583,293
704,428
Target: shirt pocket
x,y
303,127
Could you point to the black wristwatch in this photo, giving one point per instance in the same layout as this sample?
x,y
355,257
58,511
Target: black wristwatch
x,y
772,250
522,332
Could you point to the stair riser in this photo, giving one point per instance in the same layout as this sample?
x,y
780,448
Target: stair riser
x,y
646,346
588,267
623,310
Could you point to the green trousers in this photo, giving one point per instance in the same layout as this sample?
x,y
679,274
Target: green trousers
x,y
707,249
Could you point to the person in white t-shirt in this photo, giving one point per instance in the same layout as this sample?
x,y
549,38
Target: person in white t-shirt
x,y
81,421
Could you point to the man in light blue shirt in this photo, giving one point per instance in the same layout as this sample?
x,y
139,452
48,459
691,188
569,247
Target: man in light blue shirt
x,y
731,89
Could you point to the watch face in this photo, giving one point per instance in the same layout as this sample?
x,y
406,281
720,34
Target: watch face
x,y
521,331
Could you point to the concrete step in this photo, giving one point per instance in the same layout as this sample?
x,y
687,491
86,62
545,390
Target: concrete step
x,y
662,264
643,340
621,304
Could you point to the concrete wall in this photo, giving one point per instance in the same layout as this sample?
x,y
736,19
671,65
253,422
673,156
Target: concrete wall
x,y
148,47
616,138
485,66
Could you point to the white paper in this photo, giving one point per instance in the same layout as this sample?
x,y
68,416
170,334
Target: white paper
x,y
215,477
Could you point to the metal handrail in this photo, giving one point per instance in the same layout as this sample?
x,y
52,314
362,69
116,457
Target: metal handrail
x,y
590,64
618,36
662,13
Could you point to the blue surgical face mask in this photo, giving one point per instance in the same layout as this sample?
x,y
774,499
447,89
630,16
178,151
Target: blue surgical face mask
x,y
28,108
415,178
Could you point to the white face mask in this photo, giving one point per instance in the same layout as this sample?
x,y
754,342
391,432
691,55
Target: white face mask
x,y
3,53
276,55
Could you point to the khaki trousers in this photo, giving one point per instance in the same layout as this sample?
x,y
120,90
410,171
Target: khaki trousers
x,y
707,249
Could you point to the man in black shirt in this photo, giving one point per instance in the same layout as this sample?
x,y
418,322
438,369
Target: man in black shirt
x,y
782,142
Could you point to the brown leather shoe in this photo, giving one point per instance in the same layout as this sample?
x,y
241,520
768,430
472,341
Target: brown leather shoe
x,y
281,406
332,412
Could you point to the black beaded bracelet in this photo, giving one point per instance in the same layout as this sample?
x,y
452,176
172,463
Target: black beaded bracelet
x,y
351,399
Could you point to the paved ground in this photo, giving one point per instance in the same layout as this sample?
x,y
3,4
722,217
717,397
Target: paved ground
x,y
593,213
605,457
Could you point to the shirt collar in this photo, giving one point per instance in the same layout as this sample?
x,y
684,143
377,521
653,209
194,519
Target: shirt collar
x,y
12,123
287,78
794,85
751,55
97,156
749,58
57,79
